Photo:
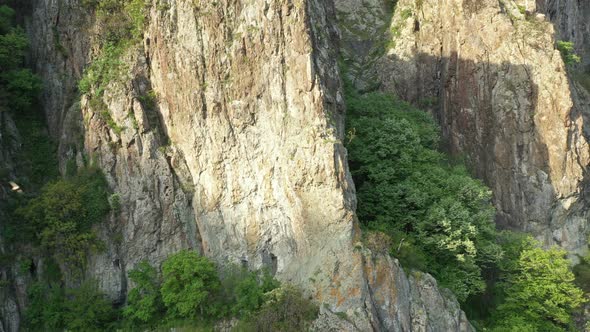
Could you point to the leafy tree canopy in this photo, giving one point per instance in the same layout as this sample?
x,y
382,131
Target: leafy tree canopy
x,y
440,218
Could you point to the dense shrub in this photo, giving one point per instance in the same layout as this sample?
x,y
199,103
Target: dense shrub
x,y
18,86
190,290
88,309
285,309
530,289
539,290
582,273
144,302
13,46
440,219
189,282
23,87
243,292
46,308
6,19
62,216
79,309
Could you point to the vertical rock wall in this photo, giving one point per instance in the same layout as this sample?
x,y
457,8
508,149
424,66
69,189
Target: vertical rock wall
x,y
240,156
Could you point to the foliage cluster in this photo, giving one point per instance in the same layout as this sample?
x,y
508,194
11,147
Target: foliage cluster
x,y
59,220
19,89
189,289
539,293
18,85
35,160
582,273
566,48
531,289
439,218
433,216
285,309
121,23
84,308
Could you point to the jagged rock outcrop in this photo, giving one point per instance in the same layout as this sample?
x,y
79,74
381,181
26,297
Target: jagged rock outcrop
x,y
239,156
489,72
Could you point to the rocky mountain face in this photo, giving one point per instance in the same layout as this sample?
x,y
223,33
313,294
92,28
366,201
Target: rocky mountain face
x,y
227,121
490,73
225,137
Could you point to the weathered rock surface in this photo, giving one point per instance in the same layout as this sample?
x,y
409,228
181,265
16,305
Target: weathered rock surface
x,y
364,28
490,74
239,157
572,23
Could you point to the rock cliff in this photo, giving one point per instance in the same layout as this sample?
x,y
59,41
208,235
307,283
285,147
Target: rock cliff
x,y
9,290
489,72
571,22
225,136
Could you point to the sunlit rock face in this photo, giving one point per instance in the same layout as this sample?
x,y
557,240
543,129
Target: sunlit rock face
x,y
237,154
490,74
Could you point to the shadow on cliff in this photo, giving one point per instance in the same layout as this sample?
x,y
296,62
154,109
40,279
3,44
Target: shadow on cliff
x,y
492,114
486,113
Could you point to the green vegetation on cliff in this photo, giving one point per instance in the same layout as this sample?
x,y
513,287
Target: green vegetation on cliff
x,y
440,219
60,219
189,292
566,48
121,24
434,217
538,291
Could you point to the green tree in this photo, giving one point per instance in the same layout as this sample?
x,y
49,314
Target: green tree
x,y
45,310
23,87
517,323
84,308
6,19
12,49
88,309
62,216
539,290
248,291
144,302
436,214
189,282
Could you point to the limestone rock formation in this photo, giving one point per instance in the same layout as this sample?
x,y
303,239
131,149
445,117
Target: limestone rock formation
x,y
489,72
225,137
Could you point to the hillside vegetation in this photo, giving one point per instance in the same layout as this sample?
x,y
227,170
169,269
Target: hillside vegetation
x,y
433,216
